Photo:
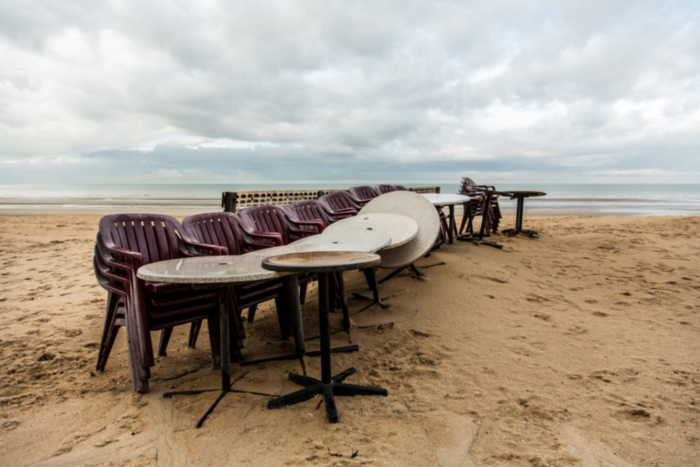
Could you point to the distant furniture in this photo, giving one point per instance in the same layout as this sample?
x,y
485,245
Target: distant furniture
x,y
478,205
338,205
520,196
363,194
126,242
441,200
323,263
426,216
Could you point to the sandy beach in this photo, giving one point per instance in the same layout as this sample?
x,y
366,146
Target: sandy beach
x,y
581,348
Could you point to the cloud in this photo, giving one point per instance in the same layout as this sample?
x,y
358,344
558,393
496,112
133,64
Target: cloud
x,y
338,90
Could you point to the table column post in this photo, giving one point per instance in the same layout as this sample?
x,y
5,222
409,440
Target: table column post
x,y
291,290
519,214
325,329
225,333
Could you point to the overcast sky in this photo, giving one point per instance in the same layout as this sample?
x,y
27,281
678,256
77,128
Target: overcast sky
x,y
218,91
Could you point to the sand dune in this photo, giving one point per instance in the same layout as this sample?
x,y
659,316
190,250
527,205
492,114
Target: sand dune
x,y
579,348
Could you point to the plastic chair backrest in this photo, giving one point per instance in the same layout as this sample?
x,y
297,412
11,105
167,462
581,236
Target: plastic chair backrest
x,y
381,189
156,237
217,228
268,218
363,193
337,201
308,211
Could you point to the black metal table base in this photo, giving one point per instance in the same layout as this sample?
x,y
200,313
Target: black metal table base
x,y
479,241
514,232
313,387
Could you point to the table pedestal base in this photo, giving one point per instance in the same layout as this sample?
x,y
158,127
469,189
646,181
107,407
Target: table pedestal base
x,y
479,241
514,232
313,387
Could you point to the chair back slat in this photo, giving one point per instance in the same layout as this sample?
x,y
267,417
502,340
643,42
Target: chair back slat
x,y
268,218
217,228
156,237
308,211
363,193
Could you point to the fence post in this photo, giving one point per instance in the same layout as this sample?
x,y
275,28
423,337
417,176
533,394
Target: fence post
x,y
228,201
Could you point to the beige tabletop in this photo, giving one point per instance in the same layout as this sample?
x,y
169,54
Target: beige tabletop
x,y
419,209
446,199
402,229
208,270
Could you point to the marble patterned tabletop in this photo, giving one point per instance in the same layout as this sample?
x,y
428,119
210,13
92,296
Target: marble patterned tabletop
x,y
248,267
401,229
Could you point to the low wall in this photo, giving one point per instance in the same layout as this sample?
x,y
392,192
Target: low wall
x,y
234,201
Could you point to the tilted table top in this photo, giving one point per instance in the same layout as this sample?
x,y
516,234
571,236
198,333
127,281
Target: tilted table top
x,y
401,229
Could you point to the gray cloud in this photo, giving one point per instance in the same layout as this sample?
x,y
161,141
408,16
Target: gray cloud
x,y
602,90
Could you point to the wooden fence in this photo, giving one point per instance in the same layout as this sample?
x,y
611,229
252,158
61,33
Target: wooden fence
x,y
234,201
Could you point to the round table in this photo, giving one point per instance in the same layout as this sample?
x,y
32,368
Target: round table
x,y
401,229
221,272
440,200
520,196
323,264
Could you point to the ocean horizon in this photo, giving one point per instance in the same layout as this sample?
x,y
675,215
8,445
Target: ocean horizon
x,y
562,198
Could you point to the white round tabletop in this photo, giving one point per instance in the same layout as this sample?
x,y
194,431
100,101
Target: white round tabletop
x,y
208,270
417,208
248,267
446,199
364,241
401,229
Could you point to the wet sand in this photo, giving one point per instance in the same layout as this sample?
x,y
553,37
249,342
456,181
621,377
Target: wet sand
x,y
579,348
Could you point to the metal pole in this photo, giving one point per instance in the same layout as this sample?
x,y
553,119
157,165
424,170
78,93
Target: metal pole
x,y
325,329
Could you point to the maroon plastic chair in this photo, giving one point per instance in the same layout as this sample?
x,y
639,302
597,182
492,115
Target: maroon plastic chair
x,y
476,207
273,218
125,243
308,211
224,229
363,194
338,205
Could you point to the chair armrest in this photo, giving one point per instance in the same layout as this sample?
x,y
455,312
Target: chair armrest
x,y
213,250
318,224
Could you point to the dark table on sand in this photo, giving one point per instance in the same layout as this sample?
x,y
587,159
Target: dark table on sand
x,y
323,264
520,195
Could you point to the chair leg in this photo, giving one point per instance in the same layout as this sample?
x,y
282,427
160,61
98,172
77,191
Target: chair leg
x,y
302,293
251,313
283,317
110,313
107,349
164,339
214,339
194,333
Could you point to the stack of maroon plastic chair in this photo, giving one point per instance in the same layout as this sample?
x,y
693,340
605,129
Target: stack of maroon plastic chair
x,y
308,211
125,243
381,189
338,205
476,207
362,194
225,229
274,218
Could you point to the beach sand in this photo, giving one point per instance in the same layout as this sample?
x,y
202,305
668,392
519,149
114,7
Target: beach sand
x,y
581,348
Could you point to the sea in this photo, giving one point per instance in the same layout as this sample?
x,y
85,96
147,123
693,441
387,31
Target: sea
x,y
560,199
